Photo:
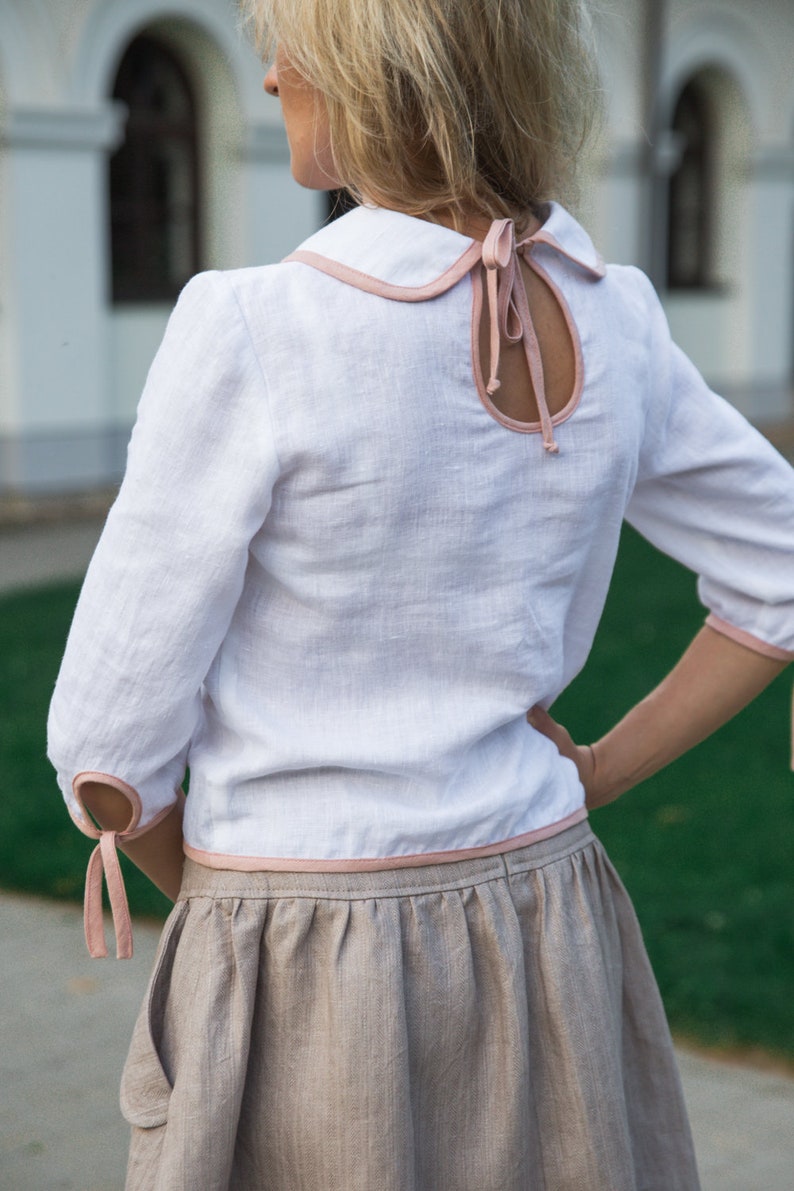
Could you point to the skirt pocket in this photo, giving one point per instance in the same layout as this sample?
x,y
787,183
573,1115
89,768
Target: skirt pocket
x,y
145,1084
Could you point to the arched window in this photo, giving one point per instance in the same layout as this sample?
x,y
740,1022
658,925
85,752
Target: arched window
x,y
692,198
154,178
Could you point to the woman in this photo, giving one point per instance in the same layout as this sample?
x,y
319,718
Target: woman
x,y
370,515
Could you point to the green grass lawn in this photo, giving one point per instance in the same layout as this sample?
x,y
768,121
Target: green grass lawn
x,y
41,851
705,848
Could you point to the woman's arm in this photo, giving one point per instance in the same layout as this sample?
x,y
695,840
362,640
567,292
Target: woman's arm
x,y
161,593
158,852
715,679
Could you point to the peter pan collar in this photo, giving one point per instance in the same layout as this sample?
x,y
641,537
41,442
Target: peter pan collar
x,y
401,257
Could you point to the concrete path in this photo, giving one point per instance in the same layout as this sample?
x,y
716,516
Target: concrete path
x,y
65,1022
46,552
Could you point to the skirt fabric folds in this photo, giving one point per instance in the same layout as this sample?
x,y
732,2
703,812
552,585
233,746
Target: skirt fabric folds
x,y
480,1025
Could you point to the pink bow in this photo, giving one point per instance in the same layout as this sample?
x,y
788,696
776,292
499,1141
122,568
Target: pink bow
x,y
510,318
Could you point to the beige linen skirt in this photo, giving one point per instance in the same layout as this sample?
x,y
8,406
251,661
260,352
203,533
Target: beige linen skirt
x,y
480,1025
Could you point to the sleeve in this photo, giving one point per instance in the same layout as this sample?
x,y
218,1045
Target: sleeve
x,y
714,494
168,571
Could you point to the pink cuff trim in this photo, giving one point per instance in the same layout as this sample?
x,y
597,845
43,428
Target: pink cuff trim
x,y
755,643
367,864
104,859
85,822
741,637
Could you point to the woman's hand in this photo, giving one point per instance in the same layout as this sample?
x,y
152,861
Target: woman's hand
x,y
582,755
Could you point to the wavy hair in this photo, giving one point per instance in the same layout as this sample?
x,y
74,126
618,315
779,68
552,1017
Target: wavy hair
x,y
464,106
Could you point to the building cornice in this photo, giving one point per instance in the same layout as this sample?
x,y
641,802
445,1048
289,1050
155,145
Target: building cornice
x,y
64,128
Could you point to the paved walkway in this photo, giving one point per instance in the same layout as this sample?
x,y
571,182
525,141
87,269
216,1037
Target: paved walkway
x,y
46,551
65,1020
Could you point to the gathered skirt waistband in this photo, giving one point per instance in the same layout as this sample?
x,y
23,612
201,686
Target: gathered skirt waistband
x,y
201,881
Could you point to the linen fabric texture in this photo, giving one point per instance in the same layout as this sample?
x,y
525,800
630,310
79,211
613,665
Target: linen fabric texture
x,y
335,577
481,1025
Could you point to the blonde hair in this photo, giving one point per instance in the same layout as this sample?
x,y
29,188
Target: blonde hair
x,y
462,106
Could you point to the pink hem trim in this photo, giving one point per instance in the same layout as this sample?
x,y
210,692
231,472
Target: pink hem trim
x,y
367,864
385,289
741,637
572,404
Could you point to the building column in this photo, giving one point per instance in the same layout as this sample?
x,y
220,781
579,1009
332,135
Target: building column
x,y
622,207
54,414
770,303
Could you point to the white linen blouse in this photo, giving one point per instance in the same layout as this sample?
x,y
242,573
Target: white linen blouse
x,y
336,576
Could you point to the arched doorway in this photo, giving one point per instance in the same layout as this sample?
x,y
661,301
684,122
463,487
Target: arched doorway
x,y
692,201
171,190
154,177
710,138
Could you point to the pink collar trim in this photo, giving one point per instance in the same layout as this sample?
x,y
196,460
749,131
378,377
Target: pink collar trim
x,y
410,260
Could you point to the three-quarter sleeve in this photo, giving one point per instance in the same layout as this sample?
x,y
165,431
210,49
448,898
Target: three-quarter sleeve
x,y
169,568
714,494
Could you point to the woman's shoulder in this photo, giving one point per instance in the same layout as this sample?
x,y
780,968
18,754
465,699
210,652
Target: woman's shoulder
x,y
263,296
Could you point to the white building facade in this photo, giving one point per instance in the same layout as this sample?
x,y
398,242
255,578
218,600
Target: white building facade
x,y
137,146
695,175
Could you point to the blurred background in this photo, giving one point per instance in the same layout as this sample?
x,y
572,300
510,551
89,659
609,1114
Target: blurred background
x,y
136,148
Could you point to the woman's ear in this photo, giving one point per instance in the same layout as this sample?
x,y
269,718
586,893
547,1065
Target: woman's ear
x,y
271,81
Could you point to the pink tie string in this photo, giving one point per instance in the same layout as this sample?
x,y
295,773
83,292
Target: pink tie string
x,y
510,317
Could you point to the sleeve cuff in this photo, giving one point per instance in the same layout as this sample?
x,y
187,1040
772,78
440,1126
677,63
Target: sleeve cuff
x,y
104,860
751,642
742,637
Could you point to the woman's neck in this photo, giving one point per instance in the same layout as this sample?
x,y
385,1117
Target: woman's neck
x,y
477,226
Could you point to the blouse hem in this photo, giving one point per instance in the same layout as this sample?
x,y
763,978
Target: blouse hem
x,y
249,864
